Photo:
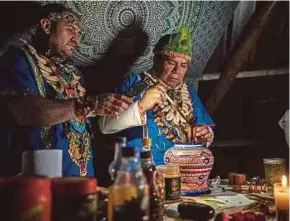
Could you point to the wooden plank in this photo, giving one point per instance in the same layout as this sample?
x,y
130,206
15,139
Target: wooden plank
x,y
247,74
237,143
243,50
242,15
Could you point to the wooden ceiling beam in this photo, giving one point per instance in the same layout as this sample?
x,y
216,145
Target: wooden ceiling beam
x,y
242,52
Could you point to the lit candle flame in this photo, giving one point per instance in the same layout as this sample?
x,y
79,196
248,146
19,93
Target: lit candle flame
x,y
284,180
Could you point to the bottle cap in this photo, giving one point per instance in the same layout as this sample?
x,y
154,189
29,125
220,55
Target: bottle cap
x,y
128,151
146,142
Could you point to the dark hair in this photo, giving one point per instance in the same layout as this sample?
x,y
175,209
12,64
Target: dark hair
x,y
40,39
161,43
54,8
160,58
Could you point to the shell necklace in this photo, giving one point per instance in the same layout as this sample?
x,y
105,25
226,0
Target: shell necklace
x,y
171,123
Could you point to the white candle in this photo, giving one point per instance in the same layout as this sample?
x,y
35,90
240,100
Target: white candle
x,y
281,194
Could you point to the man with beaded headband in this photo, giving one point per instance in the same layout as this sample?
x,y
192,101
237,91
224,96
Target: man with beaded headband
x,y
44,99
152,114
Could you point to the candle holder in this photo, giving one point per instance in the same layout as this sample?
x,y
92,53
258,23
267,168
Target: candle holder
x,y
281,196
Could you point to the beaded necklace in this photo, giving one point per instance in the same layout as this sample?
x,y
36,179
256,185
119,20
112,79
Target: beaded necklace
x,y
64,78
171,123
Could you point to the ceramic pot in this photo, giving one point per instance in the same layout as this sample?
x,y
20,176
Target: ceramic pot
x,y
195,162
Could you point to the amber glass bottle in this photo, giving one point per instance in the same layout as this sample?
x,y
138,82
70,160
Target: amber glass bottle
x,y
154,180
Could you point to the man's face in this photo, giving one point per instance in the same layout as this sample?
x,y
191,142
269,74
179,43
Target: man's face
x,y
64,37
174,70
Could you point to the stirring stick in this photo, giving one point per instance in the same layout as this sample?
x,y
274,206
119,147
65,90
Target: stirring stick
x,y
192,134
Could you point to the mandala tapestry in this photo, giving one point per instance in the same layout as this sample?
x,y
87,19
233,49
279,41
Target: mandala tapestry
x,y
102,20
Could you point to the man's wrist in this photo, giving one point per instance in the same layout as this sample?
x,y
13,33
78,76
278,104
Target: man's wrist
x,y
141,108
79,108
84,106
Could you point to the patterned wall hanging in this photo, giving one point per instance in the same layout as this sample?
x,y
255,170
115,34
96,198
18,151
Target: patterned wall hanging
x,y
101,21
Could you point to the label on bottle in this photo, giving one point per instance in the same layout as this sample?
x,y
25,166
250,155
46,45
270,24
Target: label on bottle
x,y
172,188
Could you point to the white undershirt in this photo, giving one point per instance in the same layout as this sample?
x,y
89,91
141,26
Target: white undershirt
x,y
129,118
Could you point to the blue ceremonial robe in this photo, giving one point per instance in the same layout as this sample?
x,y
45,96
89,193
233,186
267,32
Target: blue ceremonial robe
x,y
17,76
159,141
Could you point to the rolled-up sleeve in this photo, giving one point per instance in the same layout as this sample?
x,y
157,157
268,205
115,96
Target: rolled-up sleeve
x,y
129,118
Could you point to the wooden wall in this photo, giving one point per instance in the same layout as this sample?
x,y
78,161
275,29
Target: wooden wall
x,y
247,127
272,50
247,119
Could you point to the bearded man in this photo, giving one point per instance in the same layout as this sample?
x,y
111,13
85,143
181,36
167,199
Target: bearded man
x,y
44,100
165,121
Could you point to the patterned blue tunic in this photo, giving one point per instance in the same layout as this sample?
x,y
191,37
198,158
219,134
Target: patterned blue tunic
x,y
159,141
17,76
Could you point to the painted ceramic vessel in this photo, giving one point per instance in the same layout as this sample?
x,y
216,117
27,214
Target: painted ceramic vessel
x,y
195,164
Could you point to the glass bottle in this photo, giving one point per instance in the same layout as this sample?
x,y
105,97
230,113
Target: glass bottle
x,y
146,144
115,164
155,181
129,195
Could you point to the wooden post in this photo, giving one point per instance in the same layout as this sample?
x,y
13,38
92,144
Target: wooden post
x,y
243,50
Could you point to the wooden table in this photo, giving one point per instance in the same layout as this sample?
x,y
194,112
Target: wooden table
x,y
222,201
226,201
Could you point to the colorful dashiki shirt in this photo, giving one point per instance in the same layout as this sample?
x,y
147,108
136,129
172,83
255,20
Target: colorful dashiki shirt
x,y
23,70
165,126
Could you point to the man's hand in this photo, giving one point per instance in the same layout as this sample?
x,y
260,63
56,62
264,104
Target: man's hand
x,y
112,104
152,96
204,133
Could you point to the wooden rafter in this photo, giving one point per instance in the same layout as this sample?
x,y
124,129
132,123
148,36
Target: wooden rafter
x,y
243,50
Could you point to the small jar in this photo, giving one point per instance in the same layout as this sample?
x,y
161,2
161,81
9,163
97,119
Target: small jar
x,y
172,182
274,170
